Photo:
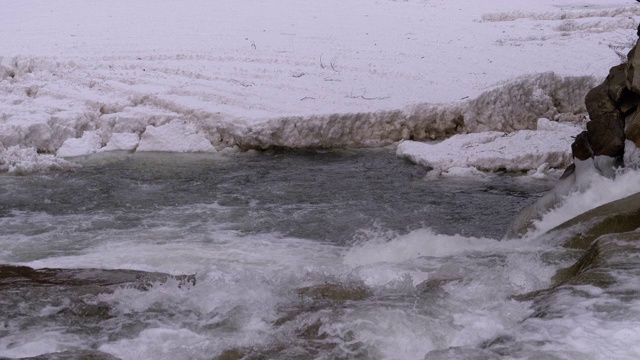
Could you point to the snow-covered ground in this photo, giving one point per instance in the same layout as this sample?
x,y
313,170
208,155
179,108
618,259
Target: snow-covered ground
x,y
78,77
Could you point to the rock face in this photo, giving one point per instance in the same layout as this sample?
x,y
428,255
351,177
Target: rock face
x,y
613,114
605,130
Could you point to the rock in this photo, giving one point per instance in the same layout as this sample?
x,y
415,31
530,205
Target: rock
x,y
632,129
73,355
335,292
616,83
595,265
461,353
624,99
231,354
16,277
633,76
606,135
581,148
615,217
628,101
598,102
527,216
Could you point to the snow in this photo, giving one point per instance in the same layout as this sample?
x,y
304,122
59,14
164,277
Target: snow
x,y
15,160
254,74
122,142
161,138
522,150
88,144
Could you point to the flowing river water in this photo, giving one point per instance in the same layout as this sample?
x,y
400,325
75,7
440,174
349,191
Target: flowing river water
x,y
345,254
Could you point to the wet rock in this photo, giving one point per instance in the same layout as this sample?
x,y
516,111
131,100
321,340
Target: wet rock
x,y
616,83
616,217
632,129
633,75
73,355
273,352
609,258
456,353
434,286
335,292
22,276
606,135
628,102
231,354
598,102
581,148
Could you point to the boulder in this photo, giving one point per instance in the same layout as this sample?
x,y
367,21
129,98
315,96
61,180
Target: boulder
x,y
616,82
628,101
581,148
615,217
633,76
598,102
632,130
624,99
606,135
595,266
606,128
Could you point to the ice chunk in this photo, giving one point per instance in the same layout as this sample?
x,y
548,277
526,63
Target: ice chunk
x,y
122,141
88,144
176,136
523,150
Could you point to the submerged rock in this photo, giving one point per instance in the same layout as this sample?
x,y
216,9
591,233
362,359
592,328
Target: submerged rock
x,y
335,292
15,277
73,355
616,217
606,255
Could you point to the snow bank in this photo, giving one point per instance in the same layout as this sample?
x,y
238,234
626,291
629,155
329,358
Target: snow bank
x,y
256,74
523,150
17,161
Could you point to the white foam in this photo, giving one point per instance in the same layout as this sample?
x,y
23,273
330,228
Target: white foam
x,y
631,155
418,243
157,343
592,191
32,343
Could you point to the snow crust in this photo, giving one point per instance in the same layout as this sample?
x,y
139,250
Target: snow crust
x,y
162,138
22,161
254,74
523,150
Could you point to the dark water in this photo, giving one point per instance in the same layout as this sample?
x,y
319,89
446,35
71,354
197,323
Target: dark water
x,y
307,194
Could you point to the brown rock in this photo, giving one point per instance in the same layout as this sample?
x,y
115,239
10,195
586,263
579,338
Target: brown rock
x,y
616,82
598,102
628,101
581,148
336,292
606,135
606,128
615,217
632,130
633,76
